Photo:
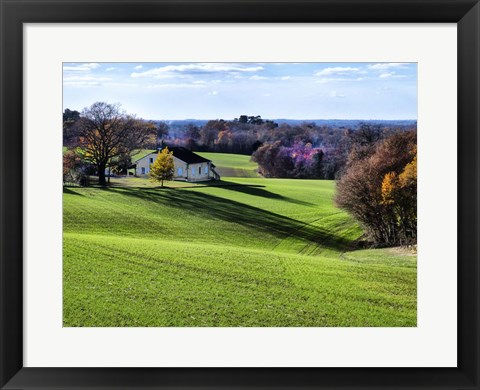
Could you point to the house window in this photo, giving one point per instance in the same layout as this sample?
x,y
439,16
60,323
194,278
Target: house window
x,y
143,170
206,170
199,170
193,171
151,160
180,171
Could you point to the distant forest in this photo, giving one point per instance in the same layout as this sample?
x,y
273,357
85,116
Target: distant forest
x,y
282,148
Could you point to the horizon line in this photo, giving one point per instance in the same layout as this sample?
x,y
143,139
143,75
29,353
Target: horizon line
x,y
292,119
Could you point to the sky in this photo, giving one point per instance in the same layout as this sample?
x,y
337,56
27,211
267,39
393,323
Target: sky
x,y
172,91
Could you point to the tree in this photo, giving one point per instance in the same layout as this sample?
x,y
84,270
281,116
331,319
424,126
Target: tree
x,y
316,167
106,131
380,190
192,132
367,134
75,170
70,118
399,193
120,164
162,132
209,132
163,167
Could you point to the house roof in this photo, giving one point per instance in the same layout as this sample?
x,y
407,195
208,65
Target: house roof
x,y
182,154
187,156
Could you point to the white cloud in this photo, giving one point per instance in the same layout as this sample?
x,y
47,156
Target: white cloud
x,y
386,75
387,65
338,79
117,84
330,80
391,75
173,85
82,83
138,67
85,78
338,70
197,68
81,67
257,77
111,68
213,93
285,78
199,82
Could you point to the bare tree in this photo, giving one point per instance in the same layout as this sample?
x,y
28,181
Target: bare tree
x,y
106,131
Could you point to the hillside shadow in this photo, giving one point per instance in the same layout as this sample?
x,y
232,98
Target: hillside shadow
x,y
212,207
258,190
67,190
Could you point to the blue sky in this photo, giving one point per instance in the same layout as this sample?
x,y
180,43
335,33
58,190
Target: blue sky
x,y
227,90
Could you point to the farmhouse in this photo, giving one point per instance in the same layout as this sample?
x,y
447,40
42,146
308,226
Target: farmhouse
x,y
188,165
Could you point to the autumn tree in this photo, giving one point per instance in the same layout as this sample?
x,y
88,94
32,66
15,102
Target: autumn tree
x,y
273,160
379,189
399,194
163,167
106,132
75,169
209,132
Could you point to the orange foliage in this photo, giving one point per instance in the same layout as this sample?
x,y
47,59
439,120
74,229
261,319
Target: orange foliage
x,y
389,186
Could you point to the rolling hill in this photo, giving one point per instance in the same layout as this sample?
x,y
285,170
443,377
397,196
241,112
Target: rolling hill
x,y
247,251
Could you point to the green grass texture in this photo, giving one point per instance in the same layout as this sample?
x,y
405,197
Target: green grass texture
x,y
232,165
243,252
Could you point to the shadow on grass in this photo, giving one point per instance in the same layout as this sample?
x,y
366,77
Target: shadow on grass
x,y
249,189
258,190
212,207
67,190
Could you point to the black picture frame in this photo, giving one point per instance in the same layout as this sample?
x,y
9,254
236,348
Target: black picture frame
x,y
14,13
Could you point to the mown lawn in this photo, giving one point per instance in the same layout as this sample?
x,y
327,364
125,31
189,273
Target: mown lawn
x,y
251,252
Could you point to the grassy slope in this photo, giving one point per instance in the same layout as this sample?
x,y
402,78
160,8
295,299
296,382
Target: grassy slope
x,y
232,165
257,252
228,165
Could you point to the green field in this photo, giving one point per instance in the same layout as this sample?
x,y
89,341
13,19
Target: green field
x,y
247,251
232,165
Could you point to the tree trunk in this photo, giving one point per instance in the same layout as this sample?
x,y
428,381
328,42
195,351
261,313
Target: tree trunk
x,y
101,176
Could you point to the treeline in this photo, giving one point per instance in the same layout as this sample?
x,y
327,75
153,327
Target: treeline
x,y
305,150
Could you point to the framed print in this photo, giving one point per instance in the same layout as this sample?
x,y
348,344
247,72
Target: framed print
x,y
239,203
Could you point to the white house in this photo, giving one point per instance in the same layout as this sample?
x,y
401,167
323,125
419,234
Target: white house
x,y
188,165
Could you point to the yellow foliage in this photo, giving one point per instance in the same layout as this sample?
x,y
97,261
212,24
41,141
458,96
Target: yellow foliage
x,y
408,178
389,186
163,167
